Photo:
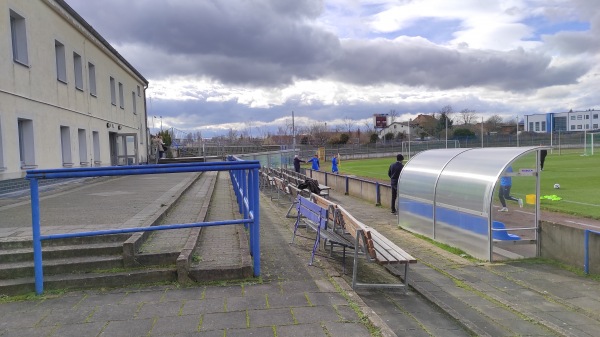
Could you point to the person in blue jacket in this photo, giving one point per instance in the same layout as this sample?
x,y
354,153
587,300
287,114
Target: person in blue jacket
x,y
504,191
315,162
334,165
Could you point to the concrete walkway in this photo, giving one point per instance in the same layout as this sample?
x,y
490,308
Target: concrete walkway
x,y
500,299
450,296
290,299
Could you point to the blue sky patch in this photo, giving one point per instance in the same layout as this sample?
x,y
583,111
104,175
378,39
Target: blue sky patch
x,y
541,26
436,30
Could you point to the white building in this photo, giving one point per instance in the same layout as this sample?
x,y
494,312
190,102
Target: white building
x,y
562,121
400,127
67,97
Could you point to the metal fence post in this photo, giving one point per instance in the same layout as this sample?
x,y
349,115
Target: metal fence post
x,y
37,242
347,186
255,229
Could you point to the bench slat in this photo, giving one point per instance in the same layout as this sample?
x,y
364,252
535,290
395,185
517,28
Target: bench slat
x,y
385,246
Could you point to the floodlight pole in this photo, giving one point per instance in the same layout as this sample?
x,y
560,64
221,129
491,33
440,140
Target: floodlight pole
x,y
482,132
409,138
293,132
446,119
551,130
517,130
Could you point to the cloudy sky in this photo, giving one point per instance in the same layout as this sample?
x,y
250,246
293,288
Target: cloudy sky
x,y
247,64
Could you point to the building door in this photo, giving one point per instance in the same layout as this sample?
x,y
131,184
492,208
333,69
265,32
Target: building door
x,y
123,149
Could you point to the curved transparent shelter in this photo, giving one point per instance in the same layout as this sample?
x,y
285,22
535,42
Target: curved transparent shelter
x,y
453,196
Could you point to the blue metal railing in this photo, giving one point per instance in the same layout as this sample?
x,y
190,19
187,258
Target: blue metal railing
x,y
586,249
244,175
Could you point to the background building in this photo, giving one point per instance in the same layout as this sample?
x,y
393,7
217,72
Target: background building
x,y
562,121
67,97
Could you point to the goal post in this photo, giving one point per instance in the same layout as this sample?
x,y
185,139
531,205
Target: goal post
x,y
591,140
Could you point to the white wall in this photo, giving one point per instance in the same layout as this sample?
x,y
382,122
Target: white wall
x,y
33,92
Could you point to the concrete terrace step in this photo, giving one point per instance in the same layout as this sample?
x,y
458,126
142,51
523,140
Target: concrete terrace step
x,y
7,243
88,281
58,252
61,266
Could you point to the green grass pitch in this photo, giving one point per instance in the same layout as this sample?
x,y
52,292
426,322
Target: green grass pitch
x,y
578,176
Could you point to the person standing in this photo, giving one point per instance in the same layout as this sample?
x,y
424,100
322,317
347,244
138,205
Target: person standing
x,y
315,162
394,174
504,191
334,165
156,148
543,154
297,162
161,147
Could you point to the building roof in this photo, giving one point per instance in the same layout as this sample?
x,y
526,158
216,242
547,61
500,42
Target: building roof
x,y
97,35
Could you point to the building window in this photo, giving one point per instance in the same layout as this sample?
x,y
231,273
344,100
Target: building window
x,y
587,126
587,116
133,102
26,145
543,125
113,92
18,34
2,167
530,126
65,146
96,145
61,62
537,126
595,127
92,78
579,117
121,96
579,127
573,117
82,138
139,93
572,127
78,67
595,116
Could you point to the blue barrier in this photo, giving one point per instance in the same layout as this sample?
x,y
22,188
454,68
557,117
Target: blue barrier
x,y
458,219
244,176
586,249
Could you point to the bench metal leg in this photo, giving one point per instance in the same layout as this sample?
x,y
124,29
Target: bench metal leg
x,y
315,246
287,215
295,229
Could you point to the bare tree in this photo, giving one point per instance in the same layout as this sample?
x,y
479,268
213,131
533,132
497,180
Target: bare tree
x,y
393,115
467,116
318,132
232,136
493,123
368,127
348,124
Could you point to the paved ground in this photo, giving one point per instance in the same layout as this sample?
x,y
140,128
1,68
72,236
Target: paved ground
x,y
450,296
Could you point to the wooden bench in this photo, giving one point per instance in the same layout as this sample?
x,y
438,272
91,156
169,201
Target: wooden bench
x,y
375,246
379,249
280,188
317,218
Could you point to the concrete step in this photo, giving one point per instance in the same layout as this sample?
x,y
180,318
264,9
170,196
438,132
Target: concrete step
x,y
26,285
21,243
58,252
61,266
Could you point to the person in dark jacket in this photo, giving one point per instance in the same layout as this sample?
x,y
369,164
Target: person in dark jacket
x,y
297,162
543,154
394,174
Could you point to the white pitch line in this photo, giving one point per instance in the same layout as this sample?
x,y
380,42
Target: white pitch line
x,y
581,203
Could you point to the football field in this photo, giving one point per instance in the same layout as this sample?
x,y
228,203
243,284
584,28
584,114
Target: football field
x,y
577,175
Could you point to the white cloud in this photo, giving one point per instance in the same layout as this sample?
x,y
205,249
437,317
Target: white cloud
x,y
225,63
